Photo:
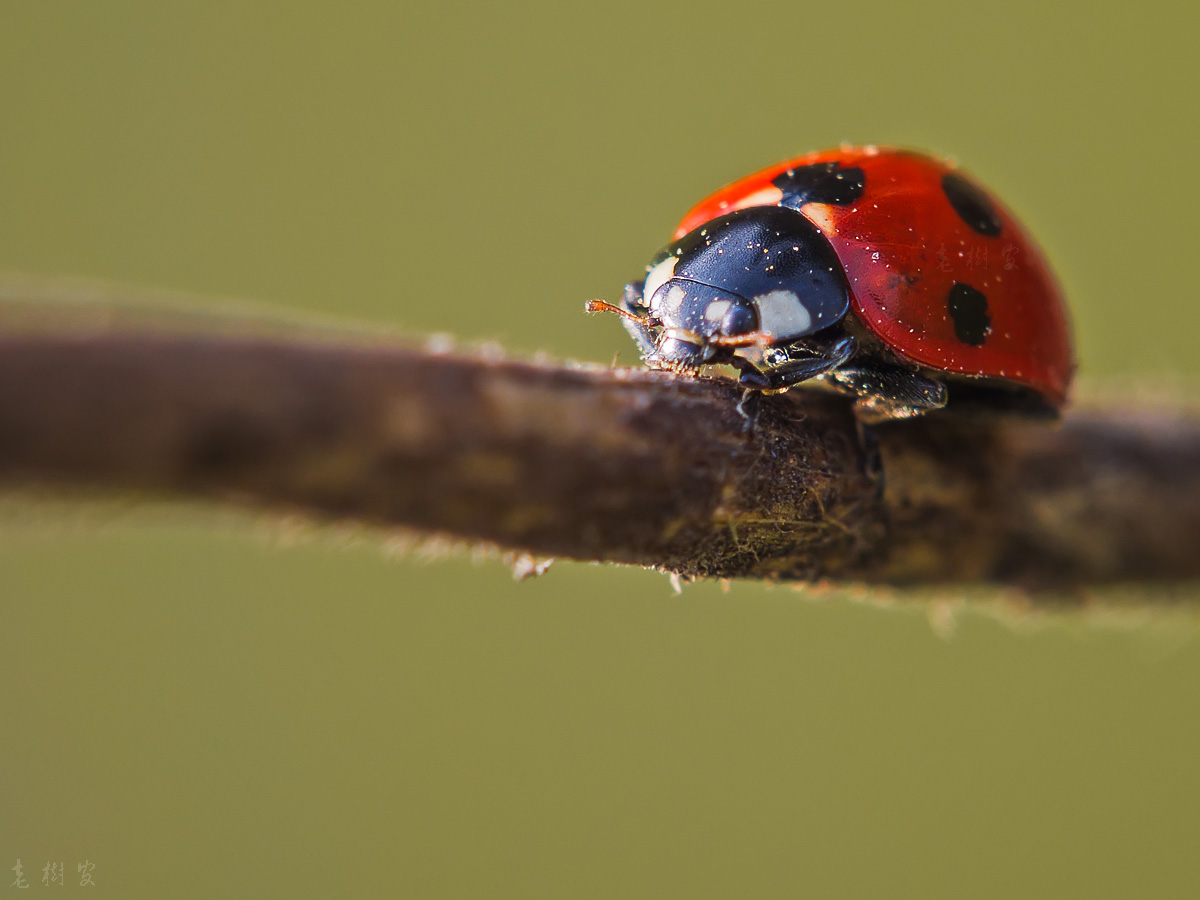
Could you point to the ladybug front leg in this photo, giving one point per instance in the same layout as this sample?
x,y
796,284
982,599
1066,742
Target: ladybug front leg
x,y
783,366
887,392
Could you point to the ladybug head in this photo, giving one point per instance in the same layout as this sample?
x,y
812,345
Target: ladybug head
x,y
696,323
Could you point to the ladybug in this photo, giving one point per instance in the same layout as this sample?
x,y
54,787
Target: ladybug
x,y
889,275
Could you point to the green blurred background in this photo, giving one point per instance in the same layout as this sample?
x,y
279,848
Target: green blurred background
x,y
198,707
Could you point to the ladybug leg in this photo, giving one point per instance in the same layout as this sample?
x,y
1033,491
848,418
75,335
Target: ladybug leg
x,y
757,339
784,366
886,391
747,407
868,439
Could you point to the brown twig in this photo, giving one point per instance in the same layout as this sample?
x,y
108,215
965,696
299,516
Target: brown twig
x,y
600,464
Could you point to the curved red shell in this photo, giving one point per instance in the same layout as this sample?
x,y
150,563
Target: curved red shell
x,y
904,248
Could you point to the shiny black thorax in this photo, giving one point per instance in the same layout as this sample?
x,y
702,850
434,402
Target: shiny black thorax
x,y
745,288
757,252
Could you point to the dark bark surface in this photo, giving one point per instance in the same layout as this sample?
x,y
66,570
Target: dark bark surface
x,y
600,464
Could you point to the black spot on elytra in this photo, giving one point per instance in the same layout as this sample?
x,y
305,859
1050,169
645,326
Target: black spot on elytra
x,y
820,183
971,204
969,310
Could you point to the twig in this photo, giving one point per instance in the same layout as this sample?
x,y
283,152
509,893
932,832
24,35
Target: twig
x,y
597,464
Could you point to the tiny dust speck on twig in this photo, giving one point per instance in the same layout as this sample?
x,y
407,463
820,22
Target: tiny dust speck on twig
x,y
586,462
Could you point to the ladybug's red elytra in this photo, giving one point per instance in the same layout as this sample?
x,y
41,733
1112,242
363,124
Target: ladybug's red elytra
x,y
886,274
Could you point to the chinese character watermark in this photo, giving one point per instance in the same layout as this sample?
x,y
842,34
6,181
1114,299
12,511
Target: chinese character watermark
x,y
86,868
52,872
55,873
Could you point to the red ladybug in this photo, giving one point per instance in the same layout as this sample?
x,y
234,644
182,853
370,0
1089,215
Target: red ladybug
x,y
886,274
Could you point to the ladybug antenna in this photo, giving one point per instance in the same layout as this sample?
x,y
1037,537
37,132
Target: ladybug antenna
x,y
602,306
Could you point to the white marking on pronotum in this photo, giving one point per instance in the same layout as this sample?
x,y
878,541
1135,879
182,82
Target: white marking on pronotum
x,y
782,315
668,305
715,311
658,276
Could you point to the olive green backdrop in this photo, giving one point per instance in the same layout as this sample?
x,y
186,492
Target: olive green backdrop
x,y
201,708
